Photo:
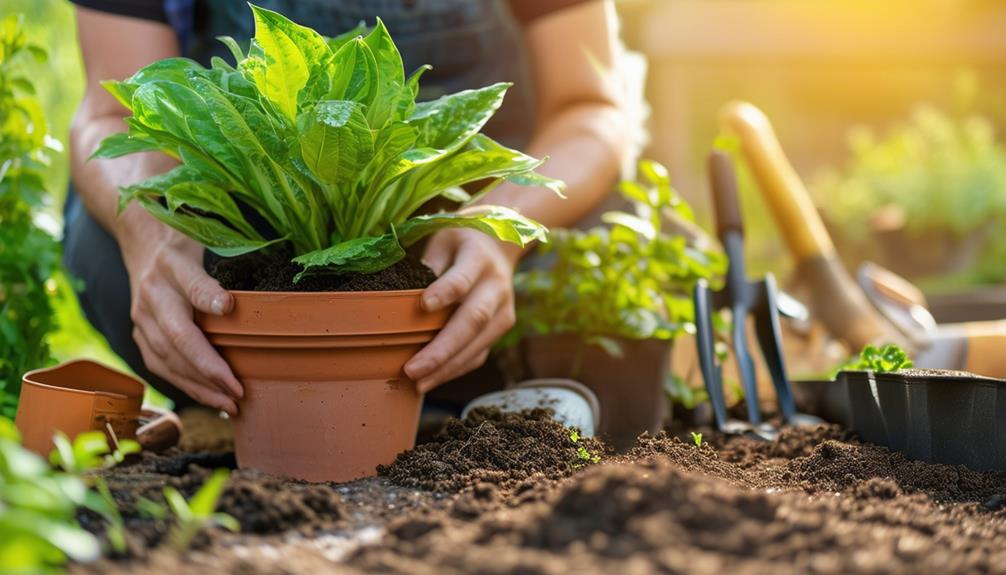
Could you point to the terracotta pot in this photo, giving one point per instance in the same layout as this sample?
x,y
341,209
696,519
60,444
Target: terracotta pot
x,y
83,395
630,389
325,397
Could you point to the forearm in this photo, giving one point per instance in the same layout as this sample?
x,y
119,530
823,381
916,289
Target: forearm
x,y
98,182
585,145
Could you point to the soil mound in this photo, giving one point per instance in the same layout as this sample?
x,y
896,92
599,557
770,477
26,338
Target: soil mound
x,y
655,517
491,446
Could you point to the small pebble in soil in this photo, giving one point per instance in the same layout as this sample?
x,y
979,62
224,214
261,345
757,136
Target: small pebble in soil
x,y
995,503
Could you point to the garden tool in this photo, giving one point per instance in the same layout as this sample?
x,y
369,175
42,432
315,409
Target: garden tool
x,y
573,404
83,395
836,300
758,299
881,309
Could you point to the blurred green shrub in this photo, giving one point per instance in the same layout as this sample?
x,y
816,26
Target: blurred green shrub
x,y
936,174
38,506
29,255
632,279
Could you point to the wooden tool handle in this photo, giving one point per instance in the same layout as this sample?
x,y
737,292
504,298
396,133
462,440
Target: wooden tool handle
x,y
726,201
781,187
836,300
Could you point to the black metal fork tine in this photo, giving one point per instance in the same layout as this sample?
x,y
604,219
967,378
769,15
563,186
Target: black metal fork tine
x,y
745,364
712,373
769,332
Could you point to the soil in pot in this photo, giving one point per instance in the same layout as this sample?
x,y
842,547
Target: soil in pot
x,y
273,271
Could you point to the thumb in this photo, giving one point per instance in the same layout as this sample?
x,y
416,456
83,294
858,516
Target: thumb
x,y
202,291
439,253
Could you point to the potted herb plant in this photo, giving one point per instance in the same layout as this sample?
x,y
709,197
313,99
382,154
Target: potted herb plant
x,y
613,299
313,151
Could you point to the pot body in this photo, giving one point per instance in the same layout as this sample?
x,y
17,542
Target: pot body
x,y
630,388
325,397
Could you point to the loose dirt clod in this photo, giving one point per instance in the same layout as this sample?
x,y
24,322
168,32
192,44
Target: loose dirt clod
x,y
492,446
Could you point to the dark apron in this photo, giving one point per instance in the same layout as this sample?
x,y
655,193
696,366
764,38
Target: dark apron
x,y
469,43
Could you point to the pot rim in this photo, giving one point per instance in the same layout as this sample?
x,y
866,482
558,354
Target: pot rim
x,y
328,294
29,379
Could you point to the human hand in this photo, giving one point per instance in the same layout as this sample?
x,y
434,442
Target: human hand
x,y
476,271
166,280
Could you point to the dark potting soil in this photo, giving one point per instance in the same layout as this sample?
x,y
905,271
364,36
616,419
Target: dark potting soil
x,y
495,447
812,501
273,271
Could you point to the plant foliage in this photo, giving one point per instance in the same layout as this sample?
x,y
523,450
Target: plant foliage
x,y
29,256
322,138
38,529
888,359
199,512
631,279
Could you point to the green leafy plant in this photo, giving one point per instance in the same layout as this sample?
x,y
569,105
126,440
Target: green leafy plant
x,y
323,140
198,513
887,359
29,256
38,528
697,439
631,279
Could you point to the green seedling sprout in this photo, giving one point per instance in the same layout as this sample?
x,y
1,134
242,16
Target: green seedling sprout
x,y
697,439
198,513
583,455
887,359
89,451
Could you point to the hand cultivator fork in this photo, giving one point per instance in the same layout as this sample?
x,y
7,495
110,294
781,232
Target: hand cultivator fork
x,y
742,297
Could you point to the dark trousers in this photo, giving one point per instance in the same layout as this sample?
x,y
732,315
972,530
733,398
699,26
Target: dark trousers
x,y
92,257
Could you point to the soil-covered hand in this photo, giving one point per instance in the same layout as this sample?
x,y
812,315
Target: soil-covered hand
x,y
476,272
167,281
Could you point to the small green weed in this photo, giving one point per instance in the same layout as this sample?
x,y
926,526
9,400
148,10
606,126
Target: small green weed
x,y
697,439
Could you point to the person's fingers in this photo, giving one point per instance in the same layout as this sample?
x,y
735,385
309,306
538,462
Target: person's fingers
x,y
202,291
465,325
190,344
453,370
440,252
457,281
205,395
164,360
474,352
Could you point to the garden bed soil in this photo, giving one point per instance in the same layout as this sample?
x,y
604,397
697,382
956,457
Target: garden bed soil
x,y
272,270
497,494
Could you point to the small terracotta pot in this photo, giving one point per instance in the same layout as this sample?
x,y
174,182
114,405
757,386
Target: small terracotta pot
x,y
325,397
630,388
83,395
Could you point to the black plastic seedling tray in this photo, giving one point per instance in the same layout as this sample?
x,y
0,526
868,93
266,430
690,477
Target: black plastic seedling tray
x,y
931,415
